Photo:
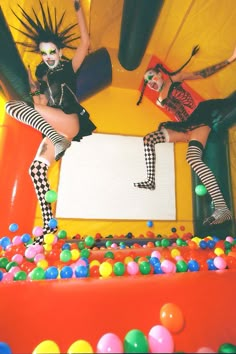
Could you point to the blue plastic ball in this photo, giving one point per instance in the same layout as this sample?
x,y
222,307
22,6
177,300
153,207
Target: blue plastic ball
x,y
66,272
157,269
81,271
154,261
211,266
193,265
52,223
203,244
4,348
1,275
4,242
25,238
13,227
51,273
66,246
211,244
149,223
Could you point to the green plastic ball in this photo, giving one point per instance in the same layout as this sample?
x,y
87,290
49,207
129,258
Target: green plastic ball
x,y
200,190
50,196
89,241
119,268
135,342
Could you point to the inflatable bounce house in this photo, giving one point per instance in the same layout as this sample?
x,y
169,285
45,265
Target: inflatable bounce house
x,y
128,270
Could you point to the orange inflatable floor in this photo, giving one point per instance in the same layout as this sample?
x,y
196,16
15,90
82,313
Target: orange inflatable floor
x,y
67,310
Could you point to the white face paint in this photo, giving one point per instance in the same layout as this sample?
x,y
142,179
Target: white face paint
x,y
50,54
154,80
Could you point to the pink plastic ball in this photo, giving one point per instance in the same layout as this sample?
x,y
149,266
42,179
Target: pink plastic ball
x,y
37,231
14,270
18,258
16,240
205,350
30,252
7,277
229,239
110,343
219,262
132,268
168,266
38,257
156,254
160,340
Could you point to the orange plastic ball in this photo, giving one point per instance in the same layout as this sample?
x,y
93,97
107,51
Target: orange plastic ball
x,y
172,317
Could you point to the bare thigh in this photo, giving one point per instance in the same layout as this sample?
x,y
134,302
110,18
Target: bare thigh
x,y
65,124
200,134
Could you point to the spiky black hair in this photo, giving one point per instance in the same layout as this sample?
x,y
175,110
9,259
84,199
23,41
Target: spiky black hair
x,y
46,30
160,67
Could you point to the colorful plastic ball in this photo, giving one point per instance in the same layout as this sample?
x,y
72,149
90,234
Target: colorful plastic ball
x,y
168,266
145,268
165,242
37,274
135,341
158,269
21,275
154,260
4,348
181,266
13,227
62,234
16,240
219,263
203,244
66,272
172,317
85,253
65,255
210,263
132,268
200,190
50,196
3,262
53,223
205,350
4,242
49,238
193,265
105,269
1,275
25,238
51,273
66,246
119,268
37,231
227,348
89,241
47,346
160,340
110,343
80,346
149,223
81,271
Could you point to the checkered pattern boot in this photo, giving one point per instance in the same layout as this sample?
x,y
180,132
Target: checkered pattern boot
x,y
38,172
28,115
194,158
150,158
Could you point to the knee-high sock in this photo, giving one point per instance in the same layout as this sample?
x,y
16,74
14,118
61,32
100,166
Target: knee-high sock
x,y
28,115
194,158
38,172
150,140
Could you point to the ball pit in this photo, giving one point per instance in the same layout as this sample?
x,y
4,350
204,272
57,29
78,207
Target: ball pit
x,y
136,294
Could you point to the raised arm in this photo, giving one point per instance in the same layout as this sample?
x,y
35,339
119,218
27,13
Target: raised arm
x,y
83,47
204,73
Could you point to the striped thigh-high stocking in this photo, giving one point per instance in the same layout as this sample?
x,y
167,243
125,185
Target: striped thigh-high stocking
x,y
194,158
38,172
150,140
28,115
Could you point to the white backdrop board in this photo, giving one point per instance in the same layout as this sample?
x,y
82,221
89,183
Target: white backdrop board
x,y
97,175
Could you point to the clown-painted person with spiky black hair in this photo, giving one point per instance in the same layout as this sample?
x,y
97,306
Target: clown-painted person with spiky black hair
x,y
193,127
55,111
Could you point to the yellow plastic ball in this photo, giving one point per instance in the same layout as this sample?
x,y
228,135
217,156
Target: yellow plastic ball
x,y
95,262
42,264
75,254
219,251
49,238
105,269
175,253
47,247
80,346
128,259
47,346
